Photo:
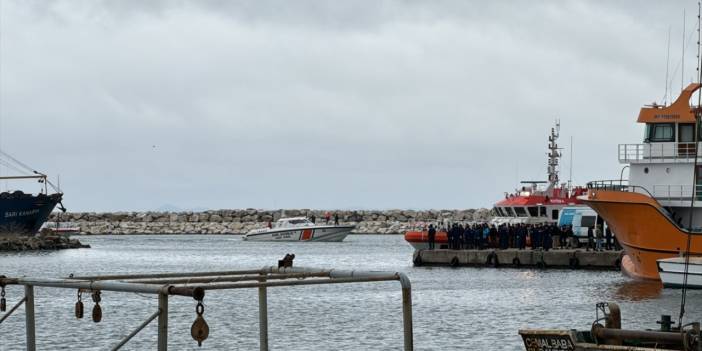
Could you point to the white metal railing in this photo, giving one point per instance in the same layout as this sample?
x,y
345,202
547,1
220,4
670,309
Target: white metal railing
x,y
672,192
656,152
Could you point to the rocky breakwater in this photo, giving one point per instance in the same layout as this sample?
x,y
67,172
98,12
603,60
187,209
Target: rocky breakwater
x,y
43,241
242,221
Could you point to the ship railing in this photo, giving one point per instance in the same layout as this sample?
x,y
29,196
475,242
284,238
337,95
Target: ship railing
x,y
676,192
661,192
195,285
656,152
618,185
672,193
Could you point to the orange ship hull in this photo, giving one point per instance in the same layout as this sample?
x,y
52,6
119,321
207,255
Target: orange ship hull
x,y
420,240
643,229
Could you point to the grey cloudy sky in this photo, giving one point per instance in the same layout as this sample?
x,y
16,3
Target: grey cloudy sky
x,y
325,104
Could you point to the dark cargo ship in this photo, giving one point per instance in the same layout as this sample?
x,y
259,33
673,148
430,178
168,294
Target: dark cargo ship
x,y
22,213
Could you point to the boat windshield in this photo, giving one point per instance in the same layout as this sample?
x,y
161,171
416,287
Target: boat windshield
x,y
293,222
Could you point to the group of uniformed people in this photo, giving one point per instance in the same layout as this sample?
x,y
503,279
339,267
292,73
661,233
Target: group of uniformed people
x,y
518,236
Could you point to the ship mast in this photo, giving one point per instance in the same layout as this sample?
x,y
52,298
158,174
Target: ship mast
x,y
553,157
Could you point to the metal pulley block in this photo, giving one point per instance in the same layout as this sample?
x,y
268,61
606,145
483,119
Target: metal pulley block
x,y
79,305
199,330
3,302
97,310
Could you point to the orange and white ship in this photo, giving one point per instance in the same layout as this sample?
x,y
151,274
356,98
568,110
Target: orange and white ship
x,y
653,212
534,202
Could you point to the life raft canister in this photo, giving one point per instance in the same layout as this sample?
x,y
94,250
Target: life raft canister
x,y
574,262
492,260
418,259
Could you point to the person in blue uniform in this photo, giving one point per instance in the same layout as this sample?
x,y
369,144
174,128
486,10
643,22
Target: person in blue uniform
x,y
457,234
548,237
432,236
482,238
608,238
521,237
468,237
536,240
502,236
493,237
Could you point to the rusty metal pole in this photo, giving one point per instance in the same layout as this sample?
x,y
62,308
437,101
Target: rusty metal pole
x,y
162,322
29,317
135,331
347,276
407,318
12,310
614,317
407,311
263,317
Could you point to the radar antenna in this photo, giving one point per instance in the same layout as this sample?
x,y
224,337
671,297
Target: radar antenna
x,y
553,156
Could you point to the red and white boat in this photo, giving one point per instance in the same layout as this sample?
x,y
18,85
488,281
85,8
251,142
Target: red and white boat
x,y
533,203
299,229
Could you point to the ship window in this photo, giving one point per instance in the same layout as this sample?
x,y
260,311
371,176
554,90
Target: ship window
x,y
686,132
554,214
542,211
661,132
647,133
510,213
587,221
498,211
533,211
298,221
521,212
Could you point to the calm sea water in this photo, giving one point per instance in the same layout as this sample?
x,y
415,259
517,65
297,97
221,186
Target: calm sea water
x,y
465,308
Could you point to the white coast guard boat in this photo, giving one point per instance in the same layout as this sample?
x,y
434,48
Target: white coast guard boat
x,y
299,229
672,272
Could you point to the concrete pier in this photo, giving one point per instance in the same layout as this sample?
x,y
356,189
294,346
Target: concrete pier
x,y
571,259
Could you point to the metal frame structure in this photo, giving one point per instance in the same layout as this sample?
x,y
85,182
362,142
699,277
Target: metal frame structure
x,y
196,284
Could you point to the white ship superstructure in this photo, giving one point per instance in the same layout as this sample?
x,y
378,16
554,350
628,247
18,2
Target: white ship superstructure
x,y
663,165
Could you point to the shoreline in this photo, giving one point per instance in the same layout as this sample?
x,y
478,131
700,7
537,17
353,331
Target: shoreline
x,y
241,221
47,242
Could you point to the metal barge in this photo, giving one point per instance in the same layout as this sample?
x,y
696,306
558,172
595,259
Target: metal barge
x,y
612,337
